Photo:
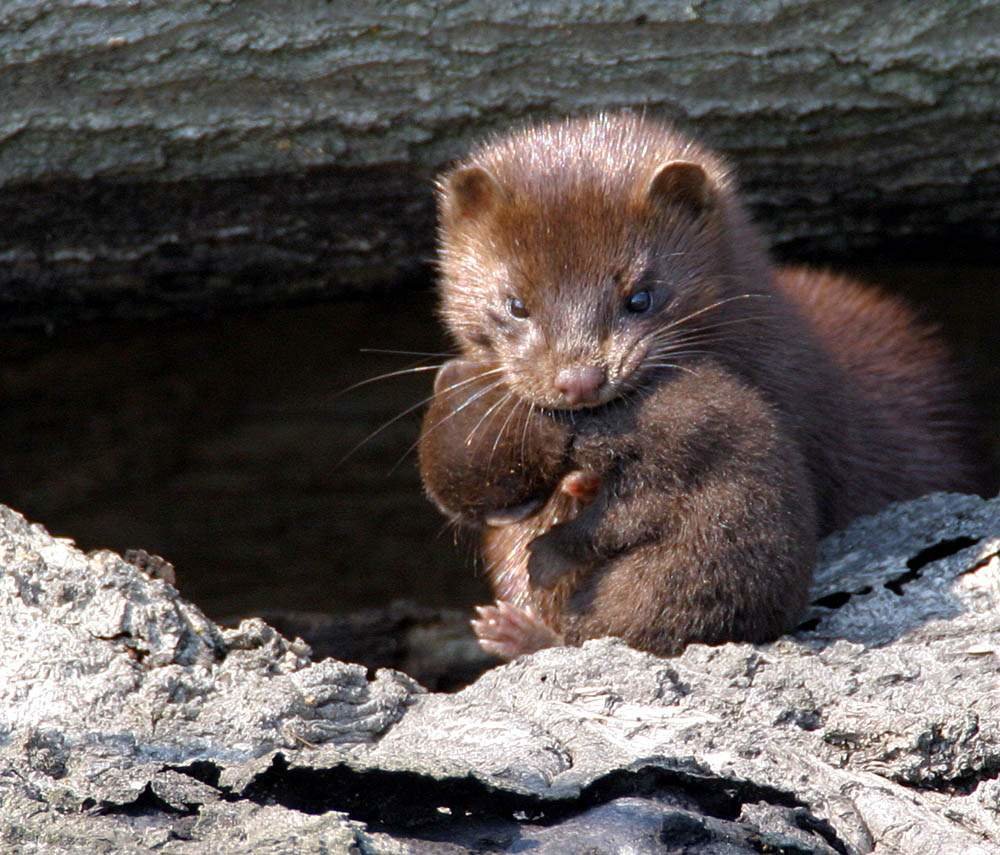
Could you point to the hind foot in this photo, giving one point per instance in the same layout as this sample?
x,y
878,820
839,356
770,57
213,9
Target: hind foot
x,y
507,631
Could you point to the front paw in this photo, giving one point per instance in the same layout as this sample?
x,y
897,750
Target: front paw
x,y
550,559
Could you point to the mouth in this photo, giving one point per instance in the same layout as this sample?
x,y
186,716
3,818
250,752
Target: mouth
x,y
549,397
607,394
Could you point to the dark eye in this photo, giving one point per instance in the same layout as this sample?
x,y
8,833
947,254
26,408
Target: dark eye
x,y
639,302
517,308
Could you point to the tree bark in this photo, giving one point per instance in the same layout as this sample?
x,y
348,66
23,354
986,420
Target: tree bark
x,y
195,152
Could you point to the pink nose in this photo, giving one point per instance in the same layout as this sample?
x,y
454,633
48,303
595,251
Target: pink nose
x,y
580,384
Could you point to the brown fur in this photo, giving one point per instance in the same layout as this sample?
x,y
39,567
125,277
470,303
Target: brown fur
x,y
746,414
485,447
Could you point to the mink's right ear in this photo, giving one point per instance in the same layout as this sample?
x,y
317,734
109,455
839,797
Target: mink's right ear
x,y
683,185
468,194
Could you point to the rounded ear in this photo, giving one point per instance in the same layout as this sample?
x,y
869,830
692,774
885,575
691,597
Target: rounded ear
x,y
469,193
681,184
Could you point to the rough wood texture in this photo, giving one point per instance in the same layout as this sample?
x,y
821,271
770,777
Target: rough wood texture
x,y
188,152
132,723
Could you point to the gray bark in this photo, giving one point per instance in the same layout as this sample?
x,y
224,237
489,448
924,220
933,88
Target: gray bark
x,y
157,154
130,722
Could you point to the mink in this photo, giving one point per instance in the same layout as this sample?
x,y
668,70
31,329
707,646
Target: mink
x,y
649,423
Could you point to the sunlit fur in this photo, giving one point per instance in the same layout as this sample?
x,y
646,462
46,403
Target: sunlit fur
x,y
575,273
749,412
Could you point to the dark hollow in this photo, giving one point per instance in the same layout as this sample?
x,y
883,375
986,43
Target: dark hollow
x,y
216,442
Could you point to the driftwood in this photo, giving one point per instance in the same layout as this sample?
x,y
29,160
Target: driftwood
x,y
195,153
131,722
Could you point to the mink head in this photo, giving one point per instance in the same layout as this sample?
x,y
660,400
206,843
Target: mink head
x,y
588,256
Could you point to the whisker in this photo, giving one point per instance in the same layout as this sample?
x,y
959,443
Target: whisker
x,y
503,427
678,353
400,373
454,386
716,325
658,334
441,421
709,307
496,406
699,336
403,352
409,410
524,434
671,365
694,337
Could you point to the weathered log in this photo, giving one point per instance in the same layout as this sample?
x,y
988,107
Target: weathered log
x,y
185,153
133,723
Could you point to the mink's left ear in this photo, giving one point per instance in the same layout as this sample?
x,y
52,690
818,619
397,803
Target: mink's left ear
x,y
682,185
469,193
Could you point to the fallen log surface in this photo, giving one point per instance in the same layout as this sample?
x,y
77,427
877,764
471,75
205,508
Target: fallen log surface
x,y
201,154
133,723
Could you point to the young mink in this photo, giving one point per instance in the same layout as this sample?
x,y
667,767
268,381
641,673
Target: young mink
x,y
651,425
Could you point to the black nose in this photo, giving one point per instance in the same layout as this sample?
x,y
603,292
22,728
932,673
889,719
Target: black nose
x,y
580,384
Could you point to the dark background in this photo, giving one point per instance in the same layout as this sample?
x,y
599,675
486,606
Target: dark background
x,y
216,440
